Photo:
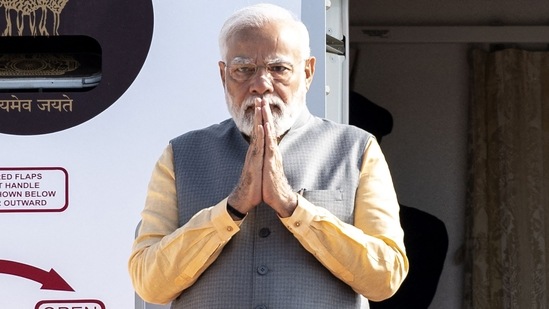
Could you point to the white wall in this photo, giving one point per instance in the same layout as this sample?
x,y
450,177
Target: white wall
x,y
109,160
425,88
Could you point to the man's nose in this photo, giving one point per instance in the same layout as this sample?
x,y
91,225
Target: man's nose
x,y
262,81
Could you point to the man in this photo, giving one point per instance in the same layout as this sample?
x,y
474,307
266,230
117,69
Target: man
x,y
273,208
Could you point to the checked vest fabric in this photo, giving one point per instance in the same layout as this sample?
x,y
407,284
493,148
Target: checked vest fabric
x,y
263,265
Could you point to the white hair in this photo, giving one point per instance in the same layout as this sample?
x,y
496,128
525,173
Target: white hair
x,y
256,16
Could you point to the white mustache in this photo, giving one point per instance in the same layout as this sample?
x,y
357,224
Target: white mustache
x,y
272,100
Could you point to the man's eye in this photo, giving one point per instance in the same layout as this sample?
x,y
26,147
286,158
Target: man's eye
x,y
245,69
278,68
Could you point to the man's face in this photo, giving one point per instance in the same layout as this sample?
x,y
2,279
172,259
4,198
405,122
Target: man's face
x,y
266,63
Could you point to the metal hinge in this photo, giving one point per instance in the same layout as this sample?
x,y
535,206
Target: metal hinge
x,y
335,46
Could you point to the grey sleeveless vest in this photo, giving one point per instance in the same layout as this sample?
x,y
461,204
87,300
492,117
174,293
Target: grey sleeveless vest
x,y
264,266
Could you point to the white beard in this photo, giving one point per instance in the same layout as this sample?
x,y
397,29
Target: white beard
x,y
284,114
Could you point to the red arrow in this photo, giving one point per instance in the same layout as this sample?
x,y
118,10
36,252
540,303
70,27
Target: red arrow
x,y
50,280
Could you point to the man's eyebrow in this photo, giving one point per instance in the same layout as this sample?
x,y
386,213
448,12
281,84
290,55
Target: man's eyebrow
x,y
279,59
248,60
242,60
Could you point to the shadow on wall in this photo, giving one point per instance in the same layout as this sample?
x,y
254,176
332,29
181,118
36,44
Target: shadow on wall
x,y
425,236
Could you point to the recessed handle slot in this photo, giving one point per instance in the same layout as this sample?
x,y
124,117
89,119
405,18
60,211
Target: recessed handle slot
x,y
57,63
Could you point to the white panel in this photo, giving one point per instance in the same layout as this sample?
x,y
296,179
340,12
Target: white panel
x,y
334,19
337,67
313,14
334,99
109,160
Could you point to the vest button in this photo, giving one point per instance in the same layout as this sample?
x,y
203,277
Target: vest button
x,y
262,270
261,307
264,232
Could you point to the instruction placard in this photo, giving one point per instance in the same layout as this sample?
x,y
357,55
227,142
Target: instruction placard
x,y
36,189
70,304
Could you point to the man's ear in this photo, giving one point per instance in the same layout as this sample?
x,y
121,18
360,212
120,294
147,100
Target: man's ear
x,y
309,70
222,71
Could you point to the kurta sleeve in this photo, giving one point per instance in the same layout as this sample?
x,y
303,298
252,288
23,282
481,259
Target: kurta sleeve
x,y
166,258
370,255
